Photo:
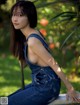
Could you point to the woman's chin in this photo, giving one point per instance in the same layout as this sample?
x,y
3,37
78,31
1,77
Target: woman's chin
x,y
16,28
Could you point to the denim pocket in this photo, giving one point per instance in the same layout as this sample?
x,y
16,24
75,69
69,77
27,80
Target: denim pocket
x,y
42,77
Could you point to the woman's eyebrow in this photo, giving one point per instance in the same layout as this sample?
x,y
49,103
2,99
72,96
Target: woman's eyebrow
x,y
17,12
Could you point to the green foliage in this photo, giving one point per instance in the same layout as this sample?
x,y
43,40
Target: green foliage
x,y
63,28
4,37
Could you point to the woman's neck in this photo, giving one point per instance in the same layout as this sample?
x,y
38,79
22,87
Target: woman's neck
x,y
27,31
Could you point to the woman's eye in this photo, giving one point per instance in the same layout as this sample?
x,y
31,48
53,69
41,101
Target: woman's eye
x,y
21,15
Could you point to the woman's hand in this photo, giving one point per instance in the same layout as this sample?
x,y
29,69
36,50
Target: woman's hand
x,y
73,96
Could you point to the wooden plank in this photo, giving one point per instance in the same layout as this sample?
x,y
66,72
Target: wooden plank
x,y
62,100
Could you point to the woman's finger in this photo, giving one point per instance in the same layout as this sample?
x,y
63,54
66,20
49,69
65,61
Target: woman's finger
x,y
67,97
75,99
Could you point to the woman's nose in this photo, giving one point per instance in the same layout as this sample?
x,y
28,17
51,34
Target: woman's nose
x,y
15,19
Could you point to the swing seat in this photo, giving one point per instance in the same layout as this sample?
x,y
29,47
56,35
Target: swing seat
x,y
62,100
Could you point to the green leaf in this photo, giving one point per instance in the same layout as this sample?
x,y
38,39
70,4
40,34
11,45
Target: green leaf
x,y
63,14
74,30
44,4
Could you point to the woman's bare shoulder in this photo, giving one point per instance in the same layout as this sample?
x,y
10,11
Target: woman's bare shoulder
x,y
32,41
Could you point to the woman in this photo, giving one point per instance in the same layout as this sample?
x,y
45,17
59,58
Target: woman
x,y
28,45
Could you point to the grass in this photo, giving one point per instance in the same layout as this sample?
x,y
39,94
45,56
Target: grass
x,y
10,76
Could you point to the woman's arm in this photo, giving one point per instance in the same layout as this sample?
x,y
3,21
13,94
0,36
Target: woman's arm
x,y
36,46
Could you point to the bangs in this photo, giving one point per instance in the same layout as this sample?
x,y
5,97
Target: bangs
x,y
17,7
17,10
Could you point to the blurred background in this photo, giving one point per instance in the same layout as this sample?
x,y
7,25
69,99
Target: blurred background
x,y
59,22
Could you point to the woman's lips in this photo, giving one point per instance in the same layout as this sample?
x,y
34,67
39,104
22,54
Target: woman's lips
x,y
16,23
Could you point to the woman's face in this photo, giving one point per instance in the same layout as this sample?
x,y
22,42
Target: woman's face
x,y
19,20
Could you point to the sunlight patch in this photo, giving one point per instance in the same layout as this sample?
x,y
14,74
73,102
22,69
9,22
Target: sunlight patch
x,y
7,90
2,79
27,81
16,68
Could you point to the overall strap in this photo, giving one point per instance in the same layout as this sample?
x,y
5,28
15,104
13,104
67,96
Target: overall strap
x,y
41,39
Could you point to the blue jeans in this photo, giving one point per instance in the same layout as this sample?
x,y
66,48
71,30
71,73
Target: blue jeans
x,y
45,86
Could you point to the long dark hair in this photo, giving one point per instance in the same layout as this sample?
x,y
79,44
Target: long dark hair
x,y
17,38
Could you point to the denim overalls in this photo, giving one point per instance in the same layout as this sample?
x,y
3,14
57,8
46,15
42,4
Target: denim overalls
x,y
44,87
